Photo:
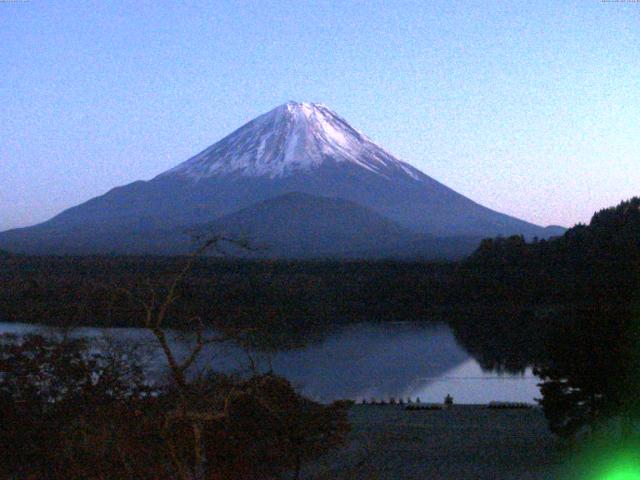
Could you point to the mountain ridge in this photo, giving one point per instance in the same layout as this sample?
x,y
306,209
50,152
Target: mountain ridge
x,y
296,147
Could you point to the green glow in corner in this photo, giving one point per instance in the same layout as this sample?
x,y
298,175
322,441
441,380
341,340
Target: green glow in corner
x,y
604,462
623,470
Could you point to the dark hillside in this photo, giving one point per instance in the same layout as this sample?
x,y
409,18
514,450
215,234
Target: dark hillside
x,y
595,262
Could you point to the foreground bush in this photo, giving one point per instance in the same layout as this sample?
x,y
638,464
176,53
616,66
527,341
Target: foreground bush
x,y
70,411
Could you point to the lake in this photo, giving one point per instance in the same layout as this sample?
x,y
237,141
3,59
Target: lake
x,y
356,361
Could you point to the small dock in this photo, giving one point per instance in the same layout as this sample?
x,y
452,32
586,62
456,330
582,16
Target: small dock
x,y
416,404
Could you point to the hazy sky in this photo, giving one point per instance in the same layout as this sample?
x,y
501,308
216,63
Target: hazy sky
x,y
528,107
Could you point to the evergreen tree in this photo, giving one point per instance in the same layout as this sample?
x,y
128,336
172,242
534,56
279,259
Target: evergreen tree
x,y
592,372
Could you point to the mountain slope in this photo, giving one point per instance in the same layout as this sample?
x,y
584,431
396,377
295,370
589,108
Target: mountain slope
x,y
297,147
301,225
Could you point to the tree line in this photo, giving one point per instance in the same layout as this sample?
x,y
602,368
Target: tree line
x,y
587,355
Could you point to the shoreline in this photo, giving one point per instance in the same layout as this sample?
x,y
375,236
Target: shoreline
x,y
463,442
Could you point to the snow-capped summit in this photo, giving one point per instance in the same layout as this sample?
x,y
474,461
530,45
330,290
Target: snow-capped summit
x,y
292,137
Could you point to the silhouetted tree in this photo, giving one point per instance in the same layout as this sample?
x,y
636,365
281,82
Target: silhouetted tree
x,y
51,390
210,417
592,370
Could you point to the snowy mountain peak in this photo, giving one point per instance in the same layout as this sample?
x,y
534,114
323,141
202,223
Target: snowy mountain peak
x,y
295,136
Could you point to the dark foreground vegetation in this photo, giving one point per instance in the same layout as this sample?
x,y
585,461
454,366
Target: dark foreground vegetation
x,y
568,306
69,412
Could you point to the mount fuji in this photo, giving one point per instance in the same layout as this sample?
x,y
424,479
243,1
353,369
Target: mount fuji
x,y
299,178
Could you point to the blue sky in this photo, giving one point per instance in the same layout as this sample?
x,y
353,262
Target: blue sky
x,y
530,108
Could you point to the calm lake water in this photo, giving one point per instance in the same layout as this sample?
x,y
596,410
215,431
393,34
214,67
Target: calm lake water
x,y
365,360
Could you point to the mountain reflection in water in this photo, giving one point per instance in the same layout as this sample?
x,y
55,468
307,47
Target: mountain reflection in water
x,y
364,360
